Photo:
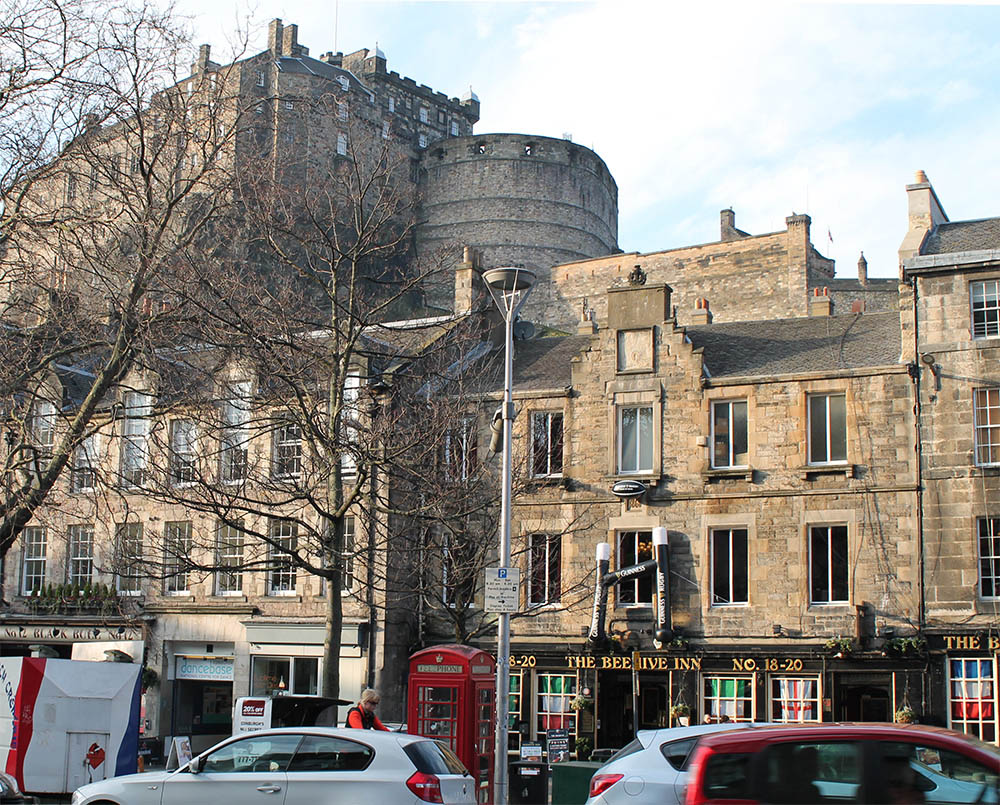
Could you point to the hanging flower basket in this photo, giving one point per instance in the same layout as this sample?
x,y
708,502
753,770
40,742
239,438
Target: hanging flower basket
x,y
905,715
840,646
581,702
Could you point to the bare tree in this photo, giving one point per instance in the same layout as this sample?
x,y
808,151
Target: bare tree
x,y
113,173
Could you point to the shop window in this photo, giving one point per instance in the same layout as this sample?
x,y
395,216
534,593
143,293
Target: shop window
x,y
989,557
326,753
287,451
83,477
828,564
972,693
730,566
263,754
984,298
795,699
729,434
728,698
281,573
274,676
635,439
183,454
229,557
517,725
635,547
176,555
437,713
827,428
546,444
987,415
235,436
128,558
138,406
544,565
80,555
555,692
33,559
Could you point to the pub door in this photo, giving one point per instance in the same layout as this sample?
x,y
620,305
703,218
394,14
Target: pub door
x,y
863,699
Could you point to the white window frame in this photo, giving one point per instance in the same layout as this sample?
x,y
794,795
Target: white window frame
x,y
392,104
986,423
454,128
183,452
988,553
828,444
723,700
290,683
555,705
549,551
717,602
281,575
829,551
230,545
350,414
34,559
128,555
345,84
234,455
422,114
287,451
974,690
984,301
83,475
461,440
138,406
341,144
783,696
342,110
259,75
727,406
80,554
541,428
177,542
385,129
636,464
421,140
43,427
347,578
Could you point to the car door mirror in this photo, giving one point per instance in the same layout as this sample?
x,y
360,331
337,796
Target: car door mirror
x,y
195,765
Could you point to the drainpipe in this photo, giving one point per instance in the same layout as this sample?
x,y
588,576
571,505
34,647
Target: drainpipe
x,y
918,434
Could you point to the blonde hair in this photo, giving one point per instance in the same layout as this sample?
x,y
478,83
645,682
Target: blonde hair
x,y
370,695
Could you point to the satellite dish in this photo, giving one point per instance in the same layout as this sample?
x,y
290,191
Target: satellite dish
x,y
523,330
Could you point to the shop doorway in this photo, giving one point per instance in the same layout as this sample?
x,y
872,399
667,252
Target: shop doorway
x,y
863,699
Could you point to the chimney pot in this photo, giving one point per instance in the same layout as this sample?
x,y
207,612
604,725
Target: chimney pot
x,y
921,177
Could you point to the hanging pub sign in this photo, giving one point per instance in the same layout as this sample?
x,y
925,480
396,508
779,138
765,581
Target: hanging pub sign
x,y
628,489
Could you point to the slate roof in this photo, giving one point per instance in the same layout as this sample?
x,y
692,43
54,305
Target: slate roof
x,y
788,346
541,363
963,236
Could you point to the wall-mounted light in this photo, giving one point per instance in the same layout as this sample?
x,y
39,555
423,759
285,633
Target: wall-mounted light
x,y
777,629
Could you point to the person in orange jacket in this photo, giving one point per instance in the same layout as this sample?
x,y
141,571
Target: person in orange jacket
x,y
362,715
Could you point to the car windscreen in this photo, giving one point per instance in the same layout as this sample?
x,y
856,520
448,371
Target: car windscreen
x,y
430,757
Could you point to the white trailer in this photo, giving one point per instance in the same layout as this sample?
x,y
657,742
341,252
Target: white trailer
x,y
65,723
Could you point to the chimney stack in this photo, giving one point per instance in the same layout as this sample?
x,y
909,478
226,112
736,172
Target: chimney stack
x,y
924,213
862,269
702,314
727,225
820,304
275,37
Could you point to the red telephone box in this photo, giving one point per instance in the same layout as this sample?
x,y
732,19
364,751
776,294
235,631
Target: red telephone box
x,y
452,697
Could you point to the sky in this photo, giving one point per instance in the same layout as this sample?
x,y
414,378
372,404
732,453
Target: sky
x,y
765,107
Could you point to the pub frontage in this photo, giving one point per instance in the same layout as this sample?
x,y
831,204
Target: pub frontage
x,y
946,680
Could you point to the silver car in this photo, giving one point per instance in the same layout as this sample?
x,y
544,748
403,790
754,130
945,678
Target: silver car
x,y
651,769
300,766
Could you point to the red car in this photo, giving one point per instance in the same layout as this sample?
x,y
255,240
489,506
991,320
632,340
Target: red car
x,y
843,763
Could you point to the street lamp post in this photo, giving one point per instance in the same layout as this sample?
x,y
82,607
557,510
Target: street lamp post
x,y
509,287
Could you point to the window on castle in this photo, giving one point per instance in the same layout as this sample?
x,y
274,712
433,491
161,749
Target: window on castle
x,y
392,105
281,573
544,563
229,544
33,559
454,128
827,428
135,437
730,567
176,555
422,114
635,547
422,140
385,129
128,558
345,84
729,433
183,455
989,556
441,116
342,144
635,439
987,418
985,301
289,106
546,444
828,564
341,111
